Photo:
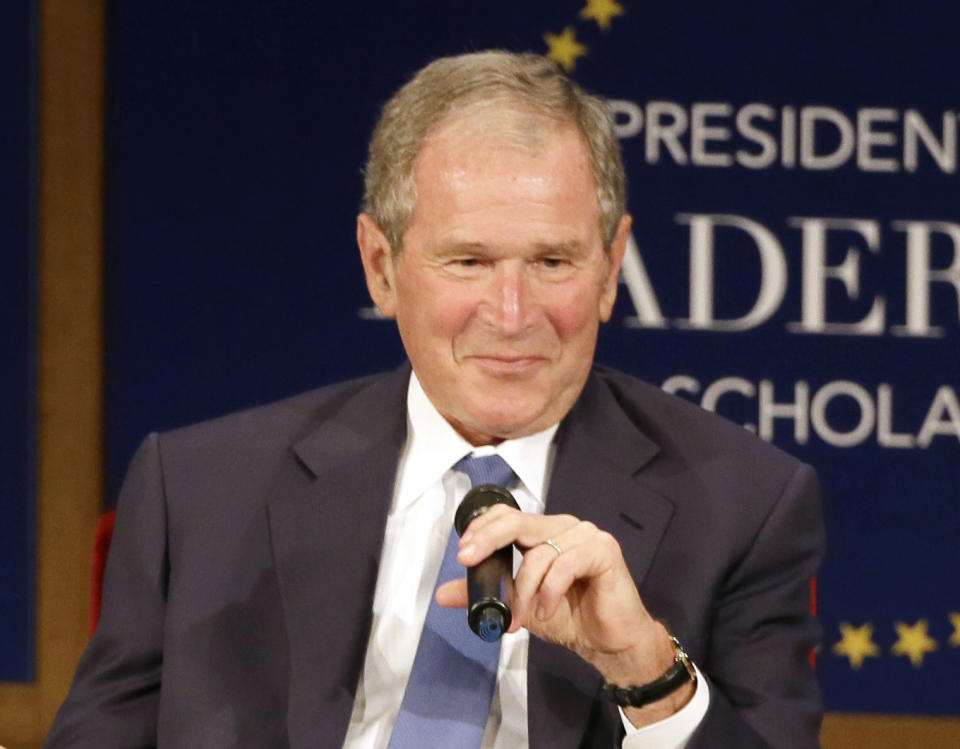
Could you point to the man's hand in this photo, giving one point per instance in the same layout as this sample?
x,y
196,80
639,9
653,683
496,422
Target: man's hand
x,y
583,598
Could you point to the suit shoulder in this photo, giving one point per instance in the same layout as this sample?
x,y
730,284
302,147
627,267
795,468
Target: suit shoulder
x,y
238,459
273,424
723,480
684,430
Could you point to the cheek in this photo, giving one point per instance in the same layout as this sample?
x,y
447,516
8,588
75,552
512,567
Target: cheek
x,y
452,310
576,314
435,316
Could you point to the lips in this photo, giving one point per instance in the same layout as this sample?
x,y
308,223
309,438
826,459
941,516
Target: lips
x,y
508,364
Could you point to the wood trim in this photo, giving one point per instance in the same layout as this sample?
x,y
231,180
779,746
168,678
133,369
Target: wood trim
x,y
70,482
19,713
70,354
848,731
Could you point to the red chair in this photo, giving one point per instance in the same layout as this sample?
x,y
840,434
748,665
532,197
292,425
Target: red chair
x,y
101,547
813,610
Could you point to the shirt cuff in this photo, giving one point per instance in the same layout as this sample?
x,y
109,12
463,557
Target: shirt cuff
x,y
673,732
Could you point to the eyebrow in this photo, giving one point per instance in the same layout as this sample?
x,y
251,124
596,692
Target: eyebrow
x,y
457,248
566,248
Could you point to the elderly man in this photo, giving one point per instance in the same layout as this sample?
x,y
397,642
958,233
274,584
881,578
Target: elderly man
x,y
274,576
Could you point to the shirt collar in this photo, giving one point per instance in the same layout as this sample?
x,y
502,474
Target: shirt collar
x,y
433,446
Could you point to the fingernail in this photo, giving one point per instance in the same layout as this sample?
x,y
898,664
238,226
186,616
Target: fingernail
x,y
466,551
541,612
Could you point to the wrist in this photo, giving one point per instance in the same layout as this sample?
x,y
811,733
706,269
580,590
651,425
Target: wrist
x,y
662,709
649,700
649,657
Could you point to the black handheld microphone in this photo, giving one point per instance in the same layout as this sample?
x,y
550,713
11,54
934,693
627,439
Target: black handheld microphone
x,y
488,582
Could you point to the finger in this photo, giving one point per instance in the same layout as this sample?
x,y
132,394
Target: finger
x,y
609,595
501,514
485,518
452,594
538,561
508,526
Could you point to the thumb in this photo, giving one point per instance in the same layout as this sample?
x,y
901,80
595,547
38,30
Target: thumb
x,y
453,594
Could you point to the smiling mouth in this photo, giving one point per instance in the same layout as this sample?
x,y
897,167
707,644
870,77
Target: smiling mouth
x,y
509,364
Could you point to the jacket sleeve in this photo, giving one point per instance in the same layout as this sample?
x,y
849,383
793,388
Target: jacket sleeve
x,y
115,694
763,689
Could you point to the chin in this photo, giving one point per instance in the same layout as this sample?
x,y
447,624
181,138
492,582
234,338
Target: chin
x,y
505,428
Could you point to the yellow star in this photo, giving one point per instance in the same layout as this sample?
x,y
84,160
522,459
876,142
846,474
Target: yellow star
x,y
914,642
955,637
602,11
564,48
857,644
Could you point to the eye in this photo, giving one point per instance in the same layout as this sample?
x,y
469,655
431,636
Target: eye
x,y
465,266
555,268
554,262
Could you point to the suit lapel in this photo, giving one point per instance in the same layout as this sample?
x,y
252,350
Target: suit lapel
x,y
597,477
327,531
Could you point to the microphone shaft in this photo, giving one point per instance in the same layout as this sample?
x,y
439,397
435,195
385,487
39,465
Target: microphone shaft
x,y
490,582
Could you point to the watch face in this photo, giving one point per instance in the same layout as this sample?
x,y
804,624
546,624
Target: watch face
x,y
682,657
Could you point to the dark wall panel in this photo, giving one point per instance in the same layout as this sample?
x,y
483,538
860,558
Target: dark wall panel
x,y
17,287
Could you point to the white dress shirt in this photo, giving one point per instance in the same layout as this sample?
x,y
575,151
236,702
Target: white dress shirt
x,y
426,494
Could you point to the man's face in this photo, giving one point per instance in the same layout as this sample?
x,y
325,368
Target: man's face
x,y
502,281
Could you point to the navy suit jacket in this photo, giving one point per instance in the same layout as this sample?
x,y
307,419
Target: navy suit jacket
x,y
239,587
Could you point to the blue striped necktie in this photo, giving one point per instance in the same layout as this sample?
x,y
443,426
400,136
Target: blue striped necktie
x,y
451,685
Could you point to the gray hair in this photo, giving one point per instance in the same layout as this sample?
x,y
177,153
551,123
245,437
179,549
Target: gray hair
x,y
528,83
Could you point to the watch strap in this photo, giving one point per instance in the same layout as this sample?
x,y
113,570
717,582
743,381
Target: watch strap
x,y
680,673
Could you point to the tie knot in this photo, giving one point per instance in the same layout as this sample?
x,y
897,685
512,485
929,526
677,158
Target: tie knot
x,y
488,469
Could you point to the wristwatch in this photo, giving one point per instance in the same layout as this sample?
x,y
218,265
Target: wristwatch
x,y
680,673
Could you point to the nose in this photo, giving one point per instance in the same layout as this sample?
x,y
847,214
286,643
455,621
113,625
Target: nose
x,y
514,308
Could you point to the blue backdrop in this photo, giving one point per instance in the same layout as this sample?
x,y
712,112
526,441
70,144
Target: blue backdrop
x,y
793,177
17,286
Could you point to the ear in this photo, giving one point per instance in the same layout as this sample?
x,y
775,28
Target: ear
x,y
378,264
608,294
